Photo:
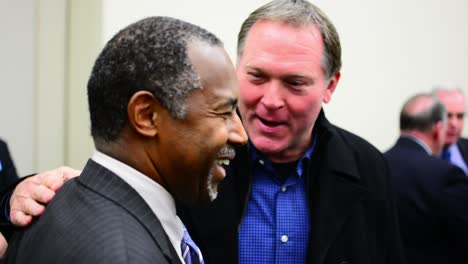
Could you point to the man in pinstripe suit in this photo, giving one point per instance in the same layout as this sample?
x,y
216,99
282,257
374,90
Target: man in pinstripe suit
x,y
162,98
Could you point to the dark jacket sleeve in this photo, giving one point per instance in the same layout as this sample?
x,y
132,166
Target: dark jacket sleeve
x,y
6,227
7,168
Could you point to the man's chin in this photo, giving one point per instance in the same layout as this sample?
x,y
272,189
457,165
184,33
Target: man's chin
x,y
450,142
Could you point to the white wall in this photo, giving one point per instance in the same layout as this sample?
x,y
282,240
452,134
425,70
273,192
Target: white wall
x,y
47,50
51,74
17,75
222,17
391,49
84,44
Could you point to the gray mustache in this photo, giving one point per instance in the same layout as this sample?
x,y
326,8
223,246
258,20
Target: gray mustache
x,y
227,151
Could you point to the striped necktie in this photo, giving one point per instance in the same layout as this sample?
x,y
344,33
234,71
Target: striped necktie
x,y
190,252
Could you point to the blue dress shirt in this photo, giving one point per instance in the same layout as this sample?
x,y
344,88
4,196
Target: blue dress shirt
x,y
276,224
455,157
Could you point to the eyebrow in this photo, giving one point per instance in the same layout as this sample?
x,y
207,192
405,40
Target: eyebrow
x,y
287,75
230,102
458,114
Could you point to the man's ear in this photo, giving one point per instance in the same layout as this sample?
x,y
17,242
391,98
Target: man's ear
x,y
331,87
438,136
143,113
438,130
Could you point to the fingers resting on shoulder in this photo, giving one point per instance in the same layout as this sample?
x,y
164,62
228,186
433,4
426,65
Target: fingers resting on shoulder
x,y
30,196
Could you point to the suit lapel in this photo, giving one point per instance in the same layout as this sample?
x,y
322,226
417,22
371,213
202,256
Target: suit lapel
x,y
463,147
109,185
335,191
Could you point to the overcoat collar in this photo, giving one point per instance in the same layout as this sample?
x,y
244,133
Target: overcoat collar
x,y
334,187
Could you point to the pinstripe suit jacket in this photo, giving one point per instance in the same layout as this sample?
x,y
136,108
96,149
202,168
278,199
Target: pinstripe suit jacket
x,y
94,218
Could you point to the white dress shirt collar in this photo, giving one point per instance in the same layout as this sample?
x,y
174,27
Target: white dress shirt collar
x,y
158,199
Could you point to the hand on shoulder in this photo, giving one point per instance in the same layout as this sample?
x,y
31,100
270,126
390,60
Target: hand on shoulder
x,y
29,198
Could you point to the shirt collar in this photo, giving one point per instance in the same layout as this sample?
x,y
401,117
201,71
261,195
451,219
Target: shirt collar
x,y
158,199
258,157
452,147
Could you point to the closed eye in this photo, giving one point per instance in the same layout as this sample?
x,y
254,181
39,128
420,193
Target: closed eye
x,y
296,85
227,115
256,77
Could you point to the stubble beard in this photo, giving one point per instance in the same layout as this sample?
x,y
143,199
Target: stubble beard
x,y
209,186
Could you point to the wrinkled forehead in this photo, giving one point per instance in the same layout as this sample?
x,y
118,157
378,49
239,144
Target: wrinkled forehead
x,y
282,42
289,32
453,100
214,68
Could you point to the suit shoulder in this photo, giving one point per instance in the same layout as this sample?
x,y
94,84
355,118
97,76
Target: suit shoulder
x,y
80,226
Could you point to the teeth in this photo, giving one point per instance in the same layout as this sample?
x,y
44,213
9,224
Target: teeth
x,y
223,162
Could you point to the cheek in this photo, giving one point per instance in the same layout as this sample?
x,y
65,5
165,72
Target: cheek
x,y
303,113
304,106
245,102
249,93
216,134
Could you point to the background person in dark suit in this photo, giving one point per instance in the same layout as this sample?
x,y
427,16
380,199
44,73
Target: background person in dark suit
x,y
7,167
456,148
432,194
162,98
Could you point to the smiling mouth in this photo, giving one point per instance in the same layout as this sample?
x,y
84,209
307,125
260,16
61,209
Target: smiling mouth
x,y
270,123
225,155
220,168
222,162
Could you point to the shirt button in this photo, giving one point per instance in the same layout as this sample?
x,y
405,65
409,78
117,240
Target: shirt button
x,y
284,238
261,162
284,188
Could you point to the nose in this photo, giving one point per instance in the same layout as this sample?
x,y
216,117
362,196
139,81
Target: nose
x,y
237,134
272,97
452,121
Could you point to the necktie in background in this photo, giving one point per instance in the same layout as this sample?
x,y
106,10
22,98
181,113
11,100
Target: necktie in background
x,y
446,155
190,252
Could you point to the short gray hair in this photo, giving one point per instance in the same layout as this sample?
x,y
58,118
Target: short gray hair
x,y
149,55
298,13
447,88
424,119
